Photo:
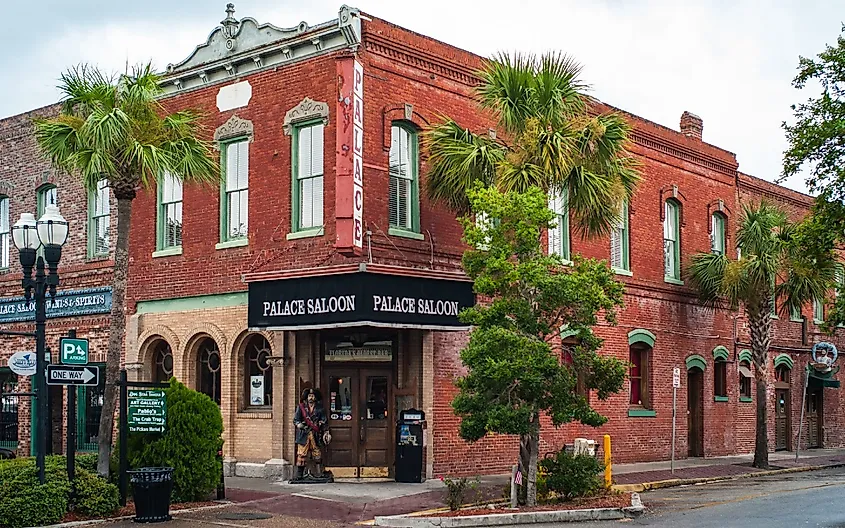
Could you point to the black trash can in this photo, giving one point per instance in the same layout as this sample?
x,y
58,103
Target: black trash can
x,y
151,488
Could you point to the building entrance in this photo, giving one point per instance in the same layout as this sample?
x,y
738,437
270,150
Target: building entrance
x,y
357,401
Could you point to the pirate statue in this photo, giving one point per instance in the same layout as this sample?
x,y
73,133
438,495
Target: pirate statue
x,y
311,436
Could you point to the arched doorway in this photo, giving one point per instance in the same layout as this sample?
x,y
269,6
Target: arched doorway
x,y
782,406
695,410
162,367
208,368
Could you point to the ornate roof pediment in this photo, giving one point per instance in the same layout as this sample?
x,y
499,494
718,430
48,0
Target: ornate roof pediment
x,y
239,47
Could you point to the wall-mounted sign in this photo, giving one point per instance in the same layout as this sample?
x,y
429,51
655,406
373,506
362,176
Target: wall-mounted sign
x,y
256,390
67,304
824,356
353,299
349,162
362,353
146,411
22,363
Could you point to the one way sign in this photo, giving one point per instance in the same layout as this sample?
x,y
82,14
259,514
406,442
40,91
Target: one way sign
x,y
68,375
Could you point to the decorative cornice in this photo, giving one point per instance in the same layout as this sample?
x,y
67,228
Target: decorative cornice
x,y
379,45
306,110
670,148
234,127
238,48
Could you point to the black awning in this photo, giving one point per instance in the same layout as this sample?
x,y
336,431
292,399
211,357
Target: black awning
x,y
358,299
822,379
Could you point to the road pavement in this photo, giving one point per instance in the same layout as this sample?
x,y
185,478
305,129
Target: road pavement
x,y
812,499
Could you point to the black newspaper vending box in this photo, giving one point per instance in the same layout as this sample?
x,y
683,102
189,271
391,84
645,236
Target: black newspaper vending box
x,y
409,446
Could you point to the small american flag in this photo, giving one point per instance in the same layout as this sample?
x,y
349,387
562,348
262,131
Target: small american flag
x,y
518,478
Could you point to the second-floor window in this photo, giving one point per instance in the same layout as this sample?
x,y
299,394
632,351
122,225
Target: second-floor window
x,y
308,178
672,241
169,216
98,220
403,188
619,240
47,195
4,232
818,310
717,234
234,208
559,235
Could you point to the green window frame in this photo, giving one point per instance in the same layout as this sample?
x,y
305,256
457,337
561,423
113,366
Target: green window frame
x,y
403,187
169,213
85,428
47,195
99,216
818,311
5,233
620,259
672,242
308,177
234,190
559,235
717,233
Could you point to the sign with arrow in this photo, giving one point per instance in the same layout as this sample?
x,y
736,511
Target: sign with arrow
x,y
73,351
72,375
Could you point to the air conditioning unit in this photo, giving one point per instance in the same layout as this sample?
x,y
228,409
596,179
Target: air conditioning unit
x,y
583,446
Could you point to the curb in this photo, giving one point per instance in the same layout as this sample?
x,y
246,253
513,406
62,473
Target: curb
x,y
504,519
659,484
174,513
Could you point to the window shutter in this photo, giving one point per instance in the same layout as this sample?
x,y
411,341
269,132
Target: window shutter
x,y
616,248
401,178
555,233
231,167
316,150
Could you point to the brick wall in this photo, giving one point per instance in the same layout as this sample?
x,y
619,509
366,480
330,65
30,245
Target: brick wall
x,y
22,172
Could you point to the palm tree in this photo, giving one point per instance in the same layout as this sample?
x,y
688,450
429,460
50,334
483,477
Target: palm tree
x,y
551,140
777,265
114,129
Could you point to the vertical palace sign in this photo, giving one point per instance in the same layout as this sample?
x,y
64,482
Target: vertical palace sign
x,y
349,200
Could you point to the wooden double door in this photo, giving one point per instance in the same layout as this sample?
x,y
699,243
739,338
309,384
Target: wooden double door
x,y
360,415
814,418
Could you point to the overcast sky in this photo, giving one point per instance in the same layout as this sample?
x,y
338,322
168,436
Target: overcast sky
x,y
730,62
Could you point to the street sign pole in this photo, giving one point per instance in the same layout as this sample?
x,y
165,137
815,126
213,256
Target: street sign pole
x,y
676,382
70,452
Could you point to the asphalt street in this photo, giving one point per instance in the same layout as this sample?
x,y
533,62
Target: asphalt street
x,y
812,499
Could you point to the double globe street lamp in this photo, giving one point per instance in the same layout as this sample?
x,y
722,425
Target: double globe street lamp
x,y
29,235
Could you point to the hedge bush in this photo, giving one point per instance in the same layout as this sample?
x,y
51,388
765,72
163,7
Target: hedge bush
x,y
569,476
94,496
25,502
189,444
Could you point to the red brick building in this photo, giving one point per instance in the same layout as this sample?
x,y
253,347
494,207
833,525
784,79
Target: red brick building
x,y
319,263
27,184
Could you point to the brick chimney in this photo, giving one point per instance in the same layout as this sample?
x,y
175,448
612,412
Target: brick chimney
x,y
691,125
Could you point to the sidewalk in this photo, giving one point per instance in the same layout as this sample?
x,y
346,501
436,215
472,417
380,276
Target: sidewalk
x,y
650,475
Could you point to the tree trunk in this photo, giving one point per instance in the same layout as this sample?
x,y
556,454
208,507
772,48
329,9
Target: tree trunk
x,y
117,332
760,323
529,448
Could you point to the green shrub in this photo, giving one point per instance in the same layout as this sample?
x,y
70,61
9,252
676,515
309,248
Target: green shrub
x,y
93,495
457,489
569,476
86,461
189,444
25,502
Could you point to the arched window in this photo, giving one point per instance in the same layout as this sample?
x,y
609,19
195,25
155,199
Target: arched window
x,y
717,233
162,362
782,373
672,241
639,375
258,376
745,380
720,378
208,369
569,347
47,195
619,242
404,207
99,214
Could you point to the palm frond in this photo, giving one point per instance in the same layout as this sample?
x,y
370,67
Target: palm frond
x,y
506,89
457,159
706,273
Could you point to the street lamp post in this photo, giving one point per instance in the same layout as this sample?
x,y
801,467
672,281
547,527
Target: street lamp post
x,y
51,230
